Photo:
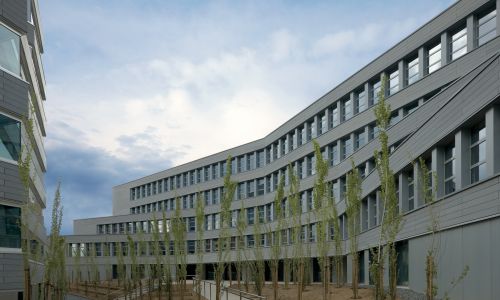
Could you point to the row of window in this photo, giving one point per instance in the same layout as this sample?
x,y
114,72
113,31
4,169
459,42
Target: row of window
x,y
334,153
340,111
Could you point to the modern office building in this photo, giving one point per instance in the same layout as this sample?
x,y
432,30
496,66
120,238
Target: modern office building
x,y
22,96
444,91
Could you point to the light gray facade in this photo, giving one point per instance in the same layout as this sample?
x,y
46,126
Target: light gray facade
x,y
445,103
22,96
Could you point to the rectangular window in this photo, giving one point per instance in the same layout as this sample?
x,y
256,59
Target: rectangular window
x,y
261,212
347,109
413,71
260,186
191,224
250,215
434,59
459,44
335,120
9,51
191,247
375,90
449,169
333,154
487,27
394,82
346,147
360,139
10,229
214,171
323,125
402,263
478,153
260,159
362,101
250,241
411,191
250,189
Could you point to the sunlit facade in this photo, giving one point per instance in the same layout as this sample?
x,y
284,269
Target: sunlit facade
x,y
443,88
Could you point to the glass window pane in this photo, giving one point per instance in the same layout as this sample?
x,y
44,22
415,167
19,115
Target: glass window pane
x,y
459,44
487,27
10,137
9,51
10,231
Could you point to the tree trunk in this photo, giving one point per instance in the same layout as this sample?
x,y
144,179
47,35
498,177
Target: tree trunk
x,y
355,276
429,277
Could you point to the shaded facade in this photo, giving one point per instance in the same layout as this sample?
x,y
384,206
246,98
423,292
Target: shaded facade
x,y
443,89
22,96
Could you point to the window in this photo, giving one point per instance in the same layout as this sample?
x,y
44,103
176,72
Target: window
x,y
191,224
362,101
9,51
487,28
347,109
10,230
250,189
459,44
346,147
413,71
322,126
250,216
261,211
214,171
360,139
216,221
376,88
449,169
434,59
260,186
312,233
334,121
394,82
250,241
260,159
402,263
333,154
191,247
478,153
411,190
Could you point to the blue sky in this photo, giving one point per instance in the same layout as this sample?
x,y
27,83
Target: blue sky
x,y
136,87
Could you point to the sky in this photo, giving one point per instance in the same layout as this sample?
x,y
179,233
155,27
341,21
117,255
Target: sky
x,y
136,87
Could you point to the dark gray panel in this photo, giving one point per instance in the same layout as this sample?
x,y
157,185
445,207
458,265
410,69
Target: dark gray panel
x,y
15,12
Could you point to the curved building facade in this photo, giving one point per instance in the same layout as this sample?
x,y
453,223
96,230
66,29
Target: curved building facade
x,y
443,88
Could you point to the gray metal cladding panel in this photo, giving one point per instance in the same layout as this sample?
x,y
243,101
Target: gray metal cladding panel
x,y
13,94
16,12
11,276
10,185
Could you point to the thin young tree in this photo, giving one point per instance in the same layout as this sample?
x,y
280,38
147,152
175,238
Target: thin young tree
x,y
179,231
391,221
166,262
296,215
223,249
428,192
55,275
337,241
200,218
323,211
353,204
241,226
275,233
157,252
258,255
24,167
